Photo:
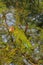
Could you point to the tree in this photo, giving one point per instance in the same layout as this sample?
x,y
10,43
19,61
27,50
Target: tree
x,y
17,49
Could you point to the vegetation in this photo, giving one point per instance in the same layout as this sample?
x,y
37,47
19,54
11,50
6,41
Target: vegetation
x,y
21,32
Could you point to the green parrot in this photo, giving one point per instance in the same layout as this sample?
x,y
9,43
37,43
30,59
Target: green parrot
x,y
20,36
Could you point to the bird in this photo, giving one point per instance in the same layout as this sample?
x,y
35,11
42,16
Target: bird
x,y
20,36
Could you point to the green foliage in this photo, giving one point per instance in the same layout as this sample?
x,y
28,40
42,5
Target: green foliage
x,y
21,47
2,7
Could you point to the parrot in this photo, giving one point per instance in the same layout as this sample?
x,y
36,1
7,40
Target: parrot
x,y
20,35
